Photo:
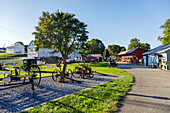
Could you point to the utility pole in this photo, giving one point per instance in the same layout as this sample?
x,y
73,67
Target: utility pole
x,y
4,50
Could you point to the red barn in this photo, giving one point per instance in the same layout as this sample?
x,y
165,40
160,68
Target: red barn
x,y
132,56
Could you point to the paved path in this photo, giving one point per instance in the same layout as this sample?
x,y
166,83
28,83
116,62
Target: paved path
x,y
151,92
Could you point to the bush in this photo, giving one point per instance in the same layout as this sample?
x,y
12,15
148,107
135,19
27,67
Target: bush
x,y
87,61
168,64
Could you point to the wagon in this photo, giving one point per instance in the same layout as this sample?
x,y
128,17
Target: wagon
x,y
83,72
56,74
30,74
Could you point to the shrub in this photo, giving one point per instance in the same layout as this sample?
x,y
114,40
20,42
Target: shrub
x,y
87,61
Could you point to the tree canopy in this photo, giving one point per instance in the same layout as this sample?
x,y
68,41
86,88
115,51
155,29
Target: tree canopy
x,y
145,46
20,43
135,43
114,49
61,31
122,48
165,39
94,46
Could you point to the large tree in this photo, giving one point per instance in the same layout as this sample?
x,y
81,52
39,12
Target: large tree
x,y
114,49
135,43
61,31
20,43
145,46
122,48
94,46
165,39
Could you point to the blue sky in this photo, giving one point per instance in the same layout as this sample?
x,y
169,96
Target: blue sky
x,y
112,21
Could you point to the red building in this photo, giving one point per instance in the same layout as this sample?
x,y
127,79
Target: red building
x,y
132,56
95,57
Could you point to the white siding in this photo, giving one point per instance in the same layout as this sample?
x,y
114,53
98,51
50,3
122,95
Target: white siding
x,y
16,49
31,53
164,56
71,56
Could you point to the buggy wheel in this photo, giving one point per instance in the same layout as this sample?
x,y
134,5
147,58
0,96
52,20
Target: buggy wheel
x,y
69,73
56,75
84,75
36,73
91,75
77,73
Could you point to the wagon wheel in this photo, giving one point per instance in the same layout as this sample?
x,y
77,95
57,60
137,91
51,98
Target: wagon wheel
x,y
91,75
77,72
84,74
36,73
56,75
69,73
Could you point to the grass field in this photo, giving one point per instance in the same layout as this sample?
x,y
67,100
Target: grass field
x,y
10,56
101,98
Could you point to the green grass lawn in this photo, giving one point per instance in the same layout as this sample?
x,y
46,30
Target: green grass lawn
x,y
11,68
10,56
101,98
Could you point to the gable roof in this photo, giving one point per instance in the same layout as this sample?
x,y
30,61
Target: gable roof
x,y
159,49
95,55
30,42
55,51
127,52
12,45
80,55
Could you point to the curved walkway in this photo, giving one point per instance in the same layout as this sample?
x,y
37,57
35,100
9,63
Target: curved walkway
x,y
151,92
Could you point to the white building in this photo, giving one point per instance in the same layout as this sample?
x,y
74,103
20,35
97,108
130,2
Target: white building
x,y
156,56
15,48
44,53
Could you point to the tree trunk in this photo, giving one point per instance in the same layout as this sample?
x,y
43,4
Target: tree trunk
x,y
62,77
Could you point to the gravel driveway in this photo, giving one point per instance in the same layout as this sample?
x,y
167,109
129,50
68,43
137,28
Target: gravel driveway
x,y
17,98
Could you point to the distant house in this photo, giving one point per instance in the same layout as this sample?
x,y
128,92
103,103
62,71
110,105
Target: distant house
x,y
15,48
95,57
71,56
132,56
158,56
80,57
49,55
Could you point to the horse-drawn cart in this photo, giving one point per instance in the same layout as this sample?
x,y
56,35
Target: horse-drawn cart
x,y
29,74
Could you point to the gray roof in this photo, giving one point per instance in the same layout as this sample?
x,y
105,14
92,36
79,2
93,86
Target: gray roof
x,y
159,49
95,55
80,55
55,51
127,52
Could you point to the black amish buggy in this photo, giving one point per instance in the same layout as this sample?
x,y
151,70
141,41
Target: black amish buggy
x,y
112,63
29,62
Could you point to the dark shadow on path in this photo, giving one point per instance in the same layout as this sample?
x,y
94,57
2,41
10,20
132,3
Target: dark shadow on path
x,y
155,97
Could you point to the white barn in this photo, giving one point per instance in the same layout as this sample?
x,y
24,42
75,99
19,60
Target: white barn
x,y
157,56
15,48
